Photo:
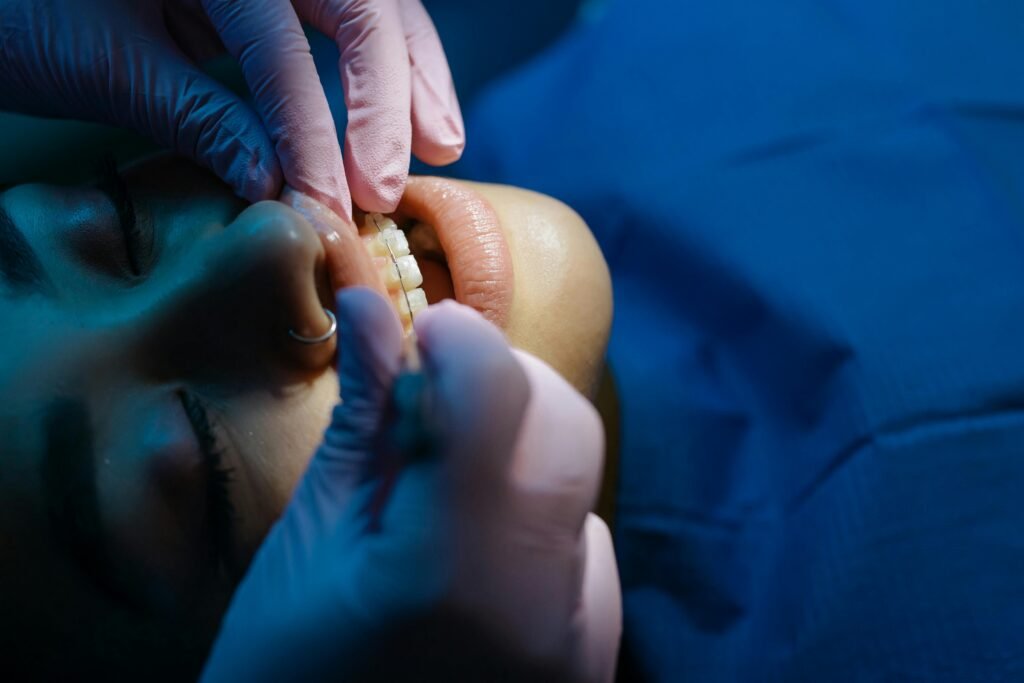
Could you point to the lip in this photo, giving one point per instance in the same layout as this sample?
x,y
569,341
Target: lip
x,y
472,239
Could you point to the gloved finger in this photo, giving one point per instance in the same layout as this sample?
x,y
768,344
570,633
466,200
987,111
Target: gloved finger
x,y
600,609
479,393
348,262
406,559
369,343
374,67
550,485
369,346
301,548
266,38
559,456
369,351
171,101
438,134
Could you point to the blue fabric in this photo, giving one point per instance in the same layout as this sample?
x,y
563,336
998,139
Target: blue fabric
x,y
813,211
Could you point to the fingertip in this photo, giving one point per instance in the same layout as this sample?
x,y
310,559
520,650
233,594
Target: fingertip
x,y
456,341
256,165
374,67
376,184
362,308
378,145
267,40
347,302
369,337
438,153
468,358
385,192
439,136
256,180
442,308
329,189
212,126
449,324
600,603
447,317
323,217
348,261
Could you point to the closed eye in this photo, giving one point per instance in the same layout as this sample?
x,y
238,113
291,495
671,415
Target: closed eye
x,y
221,516
138,239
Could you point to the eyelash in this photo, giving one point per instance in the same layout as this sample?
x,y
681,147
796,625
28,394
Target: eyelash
x,y
114,184
220,512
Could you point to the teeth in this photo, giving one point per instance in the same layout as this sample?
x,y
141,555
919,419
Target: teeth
x,y
403,271
417,302
378,240
373,220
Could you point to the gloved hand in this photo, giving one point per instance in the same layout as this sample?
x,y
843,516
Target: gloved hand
x,y
132,63
484,551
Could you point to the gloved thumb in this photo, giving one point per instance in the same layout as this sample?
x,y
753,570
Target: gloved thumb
x,y
292,601
481,393
369,349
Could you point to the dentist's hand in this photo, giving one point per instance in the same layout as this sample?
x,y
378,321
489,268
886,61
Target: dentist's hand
x,y
132,63
485,554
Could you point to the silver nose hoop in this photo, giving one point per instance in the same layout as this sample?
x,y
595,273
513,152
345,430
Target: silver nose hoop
x,y
331,331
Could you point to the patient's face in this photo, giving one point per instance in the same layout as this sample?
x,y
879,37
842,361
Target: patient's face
x,y
155,412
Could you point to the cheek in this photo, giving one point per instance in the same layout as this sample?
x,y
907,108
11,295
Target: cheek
x,y
274,437
151,488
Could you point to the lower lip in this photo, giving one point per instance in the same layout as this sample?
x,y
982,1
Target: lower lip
x,y
469,232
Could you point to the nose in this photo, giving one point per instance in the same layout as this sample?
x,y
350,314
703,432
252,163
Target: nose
x,y
227,311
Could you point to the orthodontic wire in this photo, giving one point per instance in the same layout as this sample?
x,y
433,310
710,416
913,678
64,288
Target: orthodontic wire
x,y
398,271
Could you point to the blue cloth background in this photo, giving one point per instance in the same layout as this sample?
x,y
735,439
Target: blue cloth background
x,y
813,211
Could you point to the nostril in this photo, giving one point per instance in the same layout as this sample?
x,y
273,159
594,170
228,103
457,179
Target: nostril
x,y
272,261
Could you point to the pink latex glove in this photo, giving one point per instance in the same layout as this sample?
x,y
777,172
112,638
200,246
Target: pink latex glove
x,y
485,557
132,63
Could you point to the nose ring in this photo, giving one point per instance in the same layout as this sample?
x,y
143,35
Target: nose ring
x,y
321,338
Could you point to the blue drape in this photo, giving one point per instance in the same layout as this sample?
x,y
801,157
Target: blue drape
x,y
813,211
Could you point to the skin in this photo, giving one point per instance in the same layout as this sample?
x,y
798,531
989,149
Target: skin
x,y
210,317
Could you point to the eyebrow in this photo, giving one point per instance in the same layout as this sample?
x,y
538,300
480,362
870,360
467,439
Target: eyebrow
x,y
19,265
72,500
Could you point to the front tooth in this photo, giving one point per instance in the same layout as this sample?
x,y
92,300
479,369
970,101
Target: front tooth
x,y
379,232
417,301
399,273
378,243
378,221
403,273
